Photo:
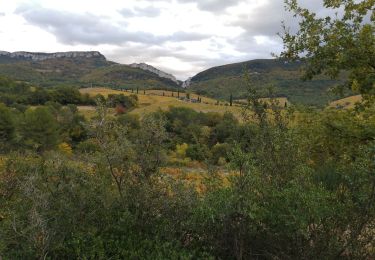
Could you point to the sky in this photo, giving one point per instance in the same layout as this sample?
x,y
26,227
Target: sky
x,y
182,37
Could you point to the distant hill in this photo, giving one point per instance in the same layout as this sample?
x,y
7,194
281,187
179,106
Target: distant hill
x,y
79,69
285,77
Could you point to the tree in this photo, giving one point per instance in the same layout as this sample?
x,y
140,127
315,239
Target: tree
x,y
39,96
149,145
231,100
7,127
332,44
39,129
127,102
66,95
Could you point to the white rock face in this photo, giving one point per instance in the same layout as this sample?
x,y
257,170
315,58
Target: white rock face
x,y
160,73
186,83
37,56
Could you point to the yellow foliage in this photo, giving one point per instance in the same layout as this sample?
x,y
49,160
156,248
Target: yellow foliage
x,y
65,148
181,150
222,161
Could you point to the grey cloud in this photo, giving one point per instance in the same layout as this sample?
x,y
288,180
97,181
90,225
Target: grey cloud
x,y
70,28
148,11
248,45
187,36
126,12
212,5
2,14
265,20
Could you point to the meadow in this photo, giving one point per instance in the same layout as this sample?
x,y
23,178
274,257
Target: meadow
x,y
348,102
154,100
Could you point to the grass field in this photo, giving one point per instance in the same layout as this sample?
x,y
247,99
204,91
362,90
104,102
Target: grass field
x,y
348,102
154,100
281,101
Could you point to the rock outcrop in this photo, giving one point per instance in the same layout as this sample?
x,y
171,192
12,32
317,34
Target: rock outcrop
x,y
149,68
39,56
186,83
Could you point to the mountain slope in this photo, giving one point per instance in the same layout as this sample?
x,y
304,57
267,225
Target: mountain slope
x,y
124,76
284,77
78,69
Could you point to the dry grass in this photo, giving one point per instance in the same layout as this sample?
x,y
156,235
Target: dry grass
x,y
348,102
281,101
87,111
102,91
154,100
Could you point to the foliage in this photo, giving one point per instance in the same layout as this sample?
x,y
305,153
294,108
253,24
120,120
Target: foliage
x,y
16,93
127,102
38,129
331,45
7,126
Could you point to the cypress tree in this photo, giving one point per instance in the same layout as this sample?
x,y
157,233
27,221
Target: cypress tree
x,y
231,100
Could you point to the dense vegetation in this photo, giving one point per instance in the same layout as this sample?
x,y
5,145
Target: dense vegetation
x,y
280,184
20,94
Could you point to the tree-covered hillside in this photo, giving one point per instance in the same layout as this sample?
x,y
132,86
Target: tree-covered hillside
x,y
123,76
283,76
79,71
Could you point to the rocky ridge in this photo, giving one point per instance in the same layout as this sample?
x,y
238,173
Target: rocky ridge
x,y
149,68
39,56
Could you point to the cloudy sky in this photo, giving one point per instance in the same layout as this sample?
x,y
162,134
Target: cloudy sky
x,y
181,37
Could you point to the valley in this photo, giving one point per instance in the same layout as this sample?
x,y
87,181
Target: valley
x,y
87,69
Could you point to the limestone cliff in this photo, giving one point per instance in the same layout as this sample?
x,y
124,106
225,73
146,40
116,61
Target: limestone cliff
x,y
39,56
160,73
